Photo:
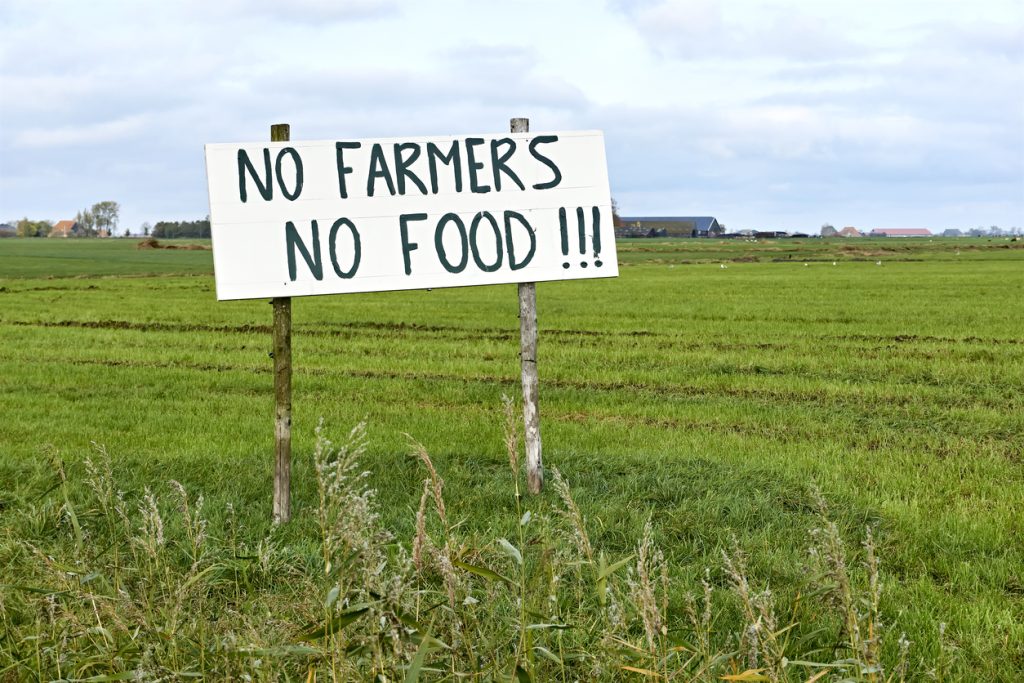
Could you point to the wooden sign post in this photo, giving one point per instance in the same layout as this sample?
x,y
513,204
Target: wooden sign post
x,y
281,132
528,364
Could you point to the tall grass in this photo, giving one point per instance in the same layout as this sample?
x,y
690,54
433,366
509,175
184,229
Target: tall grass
x,y
107,585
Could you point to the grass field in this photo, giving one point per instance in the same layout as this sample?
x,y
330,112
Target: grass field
x,y
709,400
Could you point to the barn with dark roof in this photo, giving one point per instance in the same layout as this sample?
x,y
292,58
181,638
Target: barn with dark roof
x,y
669,226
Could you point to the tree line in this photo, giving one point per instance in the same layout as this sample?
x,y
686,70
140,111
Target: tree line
x,y
30,228
100,218
176,229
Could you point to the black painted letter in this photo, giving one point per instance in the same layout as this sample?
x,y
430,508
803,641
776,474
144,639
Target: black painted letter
x,y
378,168
434,155
293,242
290,196
512,263
266,188
499,162
439,243
487,268
475,166
357,251
344,170
543,140
402,164
407,246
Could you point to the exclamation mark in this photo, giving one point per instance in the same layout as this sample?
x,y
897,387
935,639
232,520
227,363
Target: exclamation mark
x,y
564,227
597,236
583,234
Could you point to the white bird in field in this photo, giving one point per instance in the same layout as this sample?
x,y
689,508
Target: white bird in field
x,y
805,265
833,263
878,263
723,266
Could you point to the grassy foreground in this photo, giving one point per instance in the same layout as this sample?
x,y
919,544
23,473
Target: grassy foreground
x,y
711,402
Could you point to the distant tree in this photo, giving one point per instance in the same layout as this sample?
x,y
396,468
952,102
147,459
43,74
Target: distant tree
x,y
86,220
616,219
828,230
27,228
127,232
176,229
106,214
145,229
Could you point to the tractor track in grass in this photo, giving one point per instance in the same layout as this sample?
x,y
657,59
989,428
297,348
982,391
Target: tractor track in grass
x,y
767,395
333,329
923,339
347,329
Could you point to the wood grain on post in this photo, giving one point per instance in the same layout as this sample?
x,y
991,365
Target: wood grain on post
x,y
528,363
281,132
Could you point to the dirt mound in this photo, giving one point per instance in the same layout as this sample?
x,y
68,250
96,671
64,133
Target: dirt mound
x,y
153,243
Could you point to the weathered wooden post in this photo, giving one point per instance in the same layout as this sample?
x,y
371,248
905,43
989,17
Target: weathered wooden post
x,y
528,363
281,132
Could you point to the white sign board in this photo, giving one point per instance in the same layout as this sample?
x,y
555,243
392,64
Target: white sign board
x,y
327,217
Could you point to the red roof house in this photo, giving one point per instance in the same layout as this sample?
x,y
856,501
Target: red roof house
x,y
66,229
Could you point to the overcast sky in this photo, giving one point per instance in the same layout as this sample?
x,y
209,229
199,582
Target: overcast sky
x,y
781,115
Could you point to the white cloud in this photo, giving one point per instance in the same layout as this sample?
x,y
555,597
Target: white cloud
x,y
714,29
292,11
89,134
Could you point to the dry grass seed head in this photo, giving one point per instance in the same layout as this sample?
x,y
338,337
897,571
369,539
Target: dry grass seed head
x,y
900,672
759,640
436,482
347,511
152,527
99,478
192,517
511,434
420,540
650,566
572,514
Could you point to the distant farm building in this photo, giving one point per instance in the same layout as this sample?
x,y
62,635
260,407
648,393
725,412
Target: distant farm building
x,y
901,232
850,231
669,226
7,230
66,229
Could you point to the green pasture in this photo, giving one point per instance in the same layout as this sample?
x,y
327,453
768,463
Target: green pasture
x,y
887,373
59,258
